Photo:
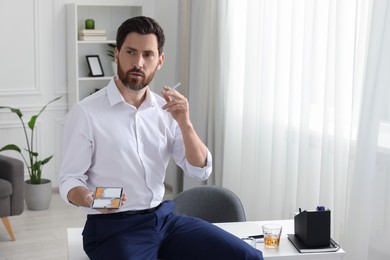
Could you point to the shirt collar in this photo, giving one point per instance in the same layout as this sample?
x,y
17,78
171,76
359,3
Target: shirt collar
x,y
113,94
115,97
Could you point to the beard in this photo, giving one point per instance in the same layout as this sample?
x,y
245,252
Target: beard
x,y
135,84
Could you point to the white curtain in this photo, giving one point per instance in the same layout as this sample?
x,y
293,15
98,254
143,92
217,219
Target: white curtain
x,y
369,170
292,98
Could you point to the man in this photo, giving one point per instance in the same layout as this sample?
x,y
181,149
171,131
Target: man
x,y
124,136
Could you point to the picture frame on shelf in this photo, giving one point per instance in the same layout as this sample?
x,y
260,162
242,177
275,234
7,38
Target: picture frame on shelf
x,y
95,66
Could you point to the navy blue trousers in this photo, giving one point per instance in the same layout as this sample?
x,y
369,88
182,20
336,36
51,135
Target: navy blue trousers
x,y
161,234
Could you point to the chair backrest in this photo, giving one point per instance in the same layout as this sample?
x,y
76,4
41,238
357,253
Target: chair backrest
x,y
213,204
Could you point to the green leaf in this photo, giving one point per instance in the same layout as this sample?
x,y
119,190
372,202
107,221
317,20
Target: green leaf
x,y
32,121
14,110
11,147
46,160
36,166
17,111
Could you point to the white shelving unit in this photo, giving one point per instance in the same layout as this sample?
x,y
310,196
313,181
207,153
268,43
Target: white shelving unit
x,y
107,17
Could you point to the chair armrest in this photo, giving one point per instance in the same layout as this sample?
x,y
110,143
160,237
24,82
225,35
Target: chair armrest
x,y
12,170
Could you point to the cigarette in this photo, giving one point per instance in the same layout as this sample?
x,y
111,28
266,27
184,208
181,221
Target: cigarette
x,y
176,86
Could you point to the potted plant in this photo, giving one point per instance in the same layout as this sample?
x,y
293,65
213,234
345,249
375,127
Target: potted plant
x,y
33,163
111,53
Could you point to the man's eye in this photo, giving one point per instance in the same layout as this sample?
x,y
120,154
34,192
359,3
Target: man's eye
x,y
131,52
148,55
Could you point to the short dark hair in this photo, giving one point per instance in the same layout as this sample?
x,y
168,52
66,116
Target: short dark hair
x,y
142,25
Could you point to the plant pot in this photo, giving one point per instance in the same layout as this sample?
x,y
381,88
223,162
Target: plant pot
x,y
38,196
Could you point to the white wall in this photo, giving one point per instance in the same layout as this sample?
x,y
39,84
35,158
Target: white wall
x,y
33,67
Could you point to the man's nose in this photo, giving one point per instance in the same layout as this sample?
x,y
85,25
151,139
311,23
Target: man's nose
x,y
139,63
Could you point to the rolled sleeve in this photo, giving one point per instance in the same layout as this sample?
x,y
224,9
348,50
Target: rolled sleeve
x,y
201,173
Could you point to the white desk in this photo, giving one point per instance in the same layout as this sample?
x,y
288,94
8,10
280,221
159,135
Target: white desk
x,y
286,250
75,244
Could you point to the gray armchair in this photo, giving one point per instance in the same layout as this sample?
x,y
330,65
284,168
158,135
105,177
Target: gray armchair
x,y
11,190
213,204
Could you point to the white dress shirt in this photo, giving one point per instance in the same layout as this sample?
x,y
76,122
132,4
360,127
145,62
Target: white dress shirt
x,y
108,142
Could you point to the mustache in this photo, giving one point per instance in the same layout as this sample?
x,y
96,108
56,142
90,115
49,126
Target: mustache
x,y
136,70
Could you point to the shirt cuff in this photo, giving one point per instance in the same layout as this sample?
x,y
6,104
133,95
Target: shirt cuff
x,y
67,185
201,173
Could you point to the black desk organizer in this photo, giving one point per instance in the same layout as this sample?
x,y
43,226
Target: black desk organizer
x,y
312,228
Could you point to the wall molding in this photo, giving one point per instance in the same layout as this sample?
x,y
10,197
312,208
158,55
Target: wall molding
x,y
34,89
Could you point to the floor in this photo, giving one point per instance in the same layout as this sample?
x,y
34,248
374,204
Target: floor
x,y
40,234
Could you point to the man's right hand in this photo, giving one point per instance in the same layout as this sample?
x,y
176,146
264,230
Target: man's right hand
x,y
80,196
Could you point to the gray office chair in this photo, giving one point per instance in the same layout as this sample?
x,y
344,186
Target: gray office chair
x,y
11,190
213,204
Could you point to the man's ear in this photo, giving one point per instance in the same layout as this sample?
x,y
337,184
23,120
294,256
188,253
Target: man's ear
x,y
116,53
161,61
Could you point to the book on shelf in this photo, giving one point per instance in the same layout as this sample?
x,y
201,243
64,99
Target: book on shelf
x,y
333,247
92,37
92,32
